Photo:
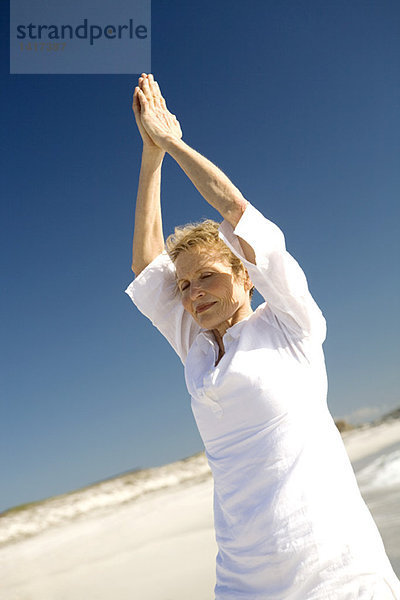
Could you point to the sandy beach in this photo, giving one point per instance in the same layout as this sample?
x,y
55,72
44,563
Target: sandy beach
x,y
151,537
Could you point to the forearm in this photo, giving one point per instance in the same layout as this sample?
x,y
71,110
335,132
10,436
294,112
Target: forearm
x,y
211,182
148,239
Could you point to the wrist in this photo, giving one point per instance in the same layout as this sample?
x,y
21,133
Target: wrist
x,y
172,143
152,153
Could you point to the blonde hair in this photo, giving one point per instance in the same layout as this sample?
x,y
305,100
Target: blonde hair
x,y
203,236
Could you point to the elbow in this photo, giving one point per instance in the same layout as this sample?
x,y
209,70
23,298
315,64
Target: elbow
x,y
138,267
135,270
136,264
139,263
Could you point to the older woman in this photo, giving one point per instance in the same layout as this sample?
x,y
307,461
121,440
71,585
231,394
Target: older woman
x,y
290,522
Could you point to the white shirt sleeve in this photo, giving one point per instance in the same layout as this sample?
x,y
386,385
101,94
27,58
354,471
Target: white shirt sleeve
x,y
276,274
156,295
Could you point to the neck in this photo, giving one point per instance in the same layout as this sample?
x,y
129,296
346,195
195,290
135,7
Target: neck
x,y
221,329
218,338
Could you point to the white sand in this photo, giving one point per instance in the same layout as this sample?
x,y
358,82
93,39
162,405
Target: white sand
x,y
160,546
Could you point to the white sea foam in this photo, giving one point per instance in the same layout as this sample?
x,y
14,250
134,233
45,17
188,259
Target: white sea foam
x,y
381,473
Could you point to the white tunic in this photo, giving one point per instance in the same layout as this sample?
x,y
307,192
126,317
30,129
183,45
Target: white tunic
x,y
290,522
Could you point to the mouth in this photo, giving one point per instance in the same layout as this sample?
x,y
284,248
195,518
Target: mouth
x,y
203,307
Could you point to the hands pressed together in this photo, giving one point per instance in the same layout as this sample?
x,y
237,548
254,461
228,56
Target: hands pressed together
x,y
155,123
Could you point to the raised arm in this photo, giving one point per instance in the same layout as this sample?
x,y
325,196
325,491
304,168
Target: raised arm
x,y
211,182
148,239
275,273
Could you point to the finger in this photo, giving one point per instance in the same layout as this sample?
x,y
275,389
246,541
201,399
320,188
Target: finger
x,y
146,90
151,89
141,80
135,101
142,100
154,87
151,82
159,96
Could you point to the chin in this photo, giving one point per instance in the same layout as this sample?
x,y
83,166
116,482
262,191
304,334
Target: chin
x,y
210,323
205,321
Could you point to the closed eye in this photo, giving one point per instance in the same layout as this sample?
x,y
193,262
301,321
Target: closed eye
x,y
183,285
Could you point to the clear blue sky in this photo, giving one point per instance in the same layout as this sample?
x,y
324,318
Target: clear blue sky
x,y
298,102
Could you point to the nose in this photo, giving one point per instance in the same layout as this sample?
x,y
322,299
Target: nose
x,y
195,290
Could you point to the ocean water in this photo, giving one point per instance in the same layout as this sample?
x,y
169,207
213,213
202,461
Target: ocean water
x,y
378,477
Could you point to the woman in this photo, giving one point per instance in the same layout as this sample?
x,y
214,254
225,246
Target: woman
x,y
289,519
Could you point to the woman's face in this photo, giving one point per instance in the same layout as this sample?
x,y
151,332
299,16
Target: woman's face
x,y
210,291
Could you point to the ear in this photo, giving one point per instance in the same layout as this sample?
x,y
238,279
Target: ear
x,y
248,284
